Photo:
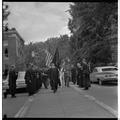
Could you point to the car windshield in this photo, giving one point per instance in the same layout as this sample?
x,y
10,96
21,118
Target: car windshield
x,y
109,69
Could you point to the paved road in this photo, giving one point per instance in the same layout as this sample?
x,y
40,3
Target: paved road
x,y
106,96
107,93
66,103
99,101
11,106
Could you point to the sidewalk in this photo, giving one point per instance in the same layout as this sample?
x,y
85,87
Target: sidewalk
x,y
66,103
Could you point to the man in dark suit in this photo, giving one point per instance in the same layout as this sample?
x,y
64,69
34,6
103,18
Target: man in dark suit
x,y
29,79
35,77
13,74
54,77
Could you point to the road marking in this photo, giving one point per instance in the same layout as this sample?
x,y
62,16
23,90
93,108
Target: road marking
x,y
23,112
24,108
106,107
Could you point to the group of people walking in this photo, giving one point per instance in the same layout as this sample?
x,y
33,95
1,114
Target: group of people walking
x,y
35,77
78,74
32,79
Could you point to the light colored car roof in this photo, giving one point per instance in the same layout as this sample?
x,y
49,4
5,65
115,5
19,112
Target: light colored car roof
x,y
106,67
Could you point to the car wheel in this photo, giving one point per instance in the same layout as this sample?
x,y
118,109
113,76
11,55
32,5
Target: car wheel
x,y
100,82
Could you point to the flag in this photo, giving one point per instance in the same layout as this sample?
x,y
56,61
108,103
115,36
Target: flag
x,y
56,59
48,58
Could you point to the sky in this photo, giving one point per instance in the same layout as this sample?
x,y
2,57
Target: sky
x,y
37,21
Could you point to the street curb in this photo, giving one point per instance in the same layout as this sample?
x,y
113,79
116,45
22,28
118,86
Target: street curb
x,y
101,104
24,108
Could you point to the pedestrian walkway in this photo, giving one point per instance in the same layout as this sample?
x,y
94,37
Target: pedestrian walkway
x,y
66,103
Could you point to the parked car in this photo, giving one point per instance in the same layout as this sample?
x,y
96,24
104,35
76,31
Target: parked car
x,y
20,82
104,74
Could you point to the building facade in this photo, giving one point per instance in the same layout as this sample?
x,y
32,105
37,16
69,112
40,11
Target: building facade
x,y
12,50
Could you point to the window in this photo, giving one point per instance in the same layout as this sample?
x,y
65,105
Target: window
x,y
109,69
6,52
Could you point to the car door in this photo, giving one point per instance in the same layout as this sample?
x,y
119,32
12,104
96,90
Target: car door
x,y
93,75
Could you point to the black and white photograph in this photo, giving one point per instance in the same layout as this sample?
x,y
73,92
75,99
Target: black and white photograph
x,y
59,59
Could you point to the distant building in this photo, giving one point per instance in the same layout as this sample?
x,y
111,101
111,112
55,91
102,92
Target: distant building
x,y
13,49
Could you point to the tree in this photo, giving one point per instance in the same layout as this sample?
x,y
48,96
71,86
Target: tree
x,y
90,26
62,43
6,13
39,58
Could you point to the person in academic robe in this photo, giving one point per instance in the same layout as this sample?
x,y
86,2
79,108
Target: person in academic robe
x,y
37,76
29,79
54,77
79,75
34,78
86,77
13,74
